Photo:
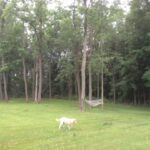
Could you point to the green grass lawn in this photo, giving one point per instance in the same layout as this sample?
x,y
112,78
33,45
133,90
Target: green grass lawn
x,y
29,126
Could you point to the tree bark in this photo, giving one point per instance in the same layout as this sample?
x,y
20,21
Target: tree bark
x,y
5,86
98,89
3,75
114,89
5,82
102,74
90,81
70,89
102,85
25,79
77,56
33,81
50,81
83,77
78,83
1,91
135,98
40,78
36,81
84,55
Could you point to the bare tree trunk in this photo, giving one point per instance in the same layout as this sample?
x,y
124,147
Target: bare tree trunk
x,y
50,80
40,78
90,81
83,77
70,89
2,20
5,82
77,72
135,98
78,84
5,86
114,89
36,81
33,81
102,86
84,55
1,91
77,56
75,88
24,68
98,90
25,79
102,73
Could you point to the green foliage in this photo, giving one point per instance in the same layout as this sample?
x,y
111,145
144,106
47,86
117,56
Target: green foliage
x,y
4,68
136,59
66,68
146,78
119,43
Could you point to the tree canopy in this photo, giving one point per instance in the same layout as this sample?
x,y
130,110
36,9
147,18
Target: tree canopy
x,y
46,52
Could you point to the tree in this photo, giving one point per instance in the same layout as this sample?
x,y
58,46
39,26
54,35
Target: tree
x,y
136,62
84,57
37,20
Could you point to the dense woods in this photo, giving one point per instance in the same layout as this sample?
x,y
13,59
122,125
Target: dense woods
x,y
89,49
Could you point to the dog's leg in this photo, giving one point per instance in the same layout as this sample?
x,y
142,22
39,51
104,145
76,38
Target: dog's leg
x,y
60,125
69,127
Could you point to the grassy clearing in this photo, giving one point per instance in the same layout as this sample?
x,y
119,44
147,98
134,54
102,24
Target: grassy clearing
x,y
29,126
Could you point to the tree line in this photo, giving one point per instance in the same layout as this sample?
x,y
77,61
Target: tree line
x,y
90,49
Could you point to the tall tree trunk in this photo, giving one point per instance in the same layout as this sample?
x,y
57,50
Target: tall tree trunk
x,y
25,79
33,80
135,98
36,81
77,72
114,88
5,86
50,80
78,83
98,90
90,81
102,85
102,72
83,77
5,82
84,55
24,67
2,20
70,88
76,55
1,91
40,78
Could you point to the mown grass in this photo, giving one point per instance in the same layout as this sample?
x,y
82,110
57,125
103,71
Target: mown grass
x,y
29,126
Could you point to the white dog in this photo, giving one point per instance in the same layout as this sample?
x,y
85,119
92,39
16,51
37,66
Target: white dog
x,y
69,122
